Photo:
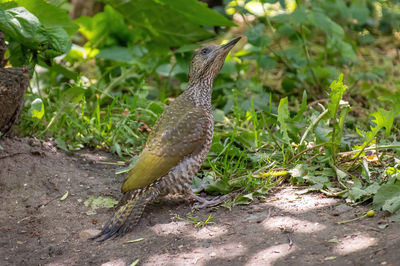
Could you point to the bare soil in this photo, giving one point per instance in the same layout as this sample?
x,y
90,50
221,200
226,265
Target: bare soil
x,y
287,228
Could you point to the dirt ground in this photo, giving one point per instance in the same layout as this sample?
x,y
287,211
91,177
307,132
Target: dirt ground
x,y
287,228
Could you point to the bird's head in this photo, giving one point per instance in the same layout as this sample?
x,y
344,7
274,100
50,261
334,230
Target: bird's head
x,y
208,61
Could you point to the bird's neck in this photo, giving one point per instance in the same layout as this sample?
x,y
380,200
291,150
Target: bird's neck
x,y
199,91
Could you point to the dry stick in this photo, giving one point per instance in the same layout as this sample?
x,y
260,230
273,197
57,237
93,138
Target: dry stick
x,y
306,150
313,124
370,149
12,155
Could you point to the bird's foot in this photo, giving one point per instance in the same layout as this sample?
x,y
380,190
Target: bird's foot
x,y
204,203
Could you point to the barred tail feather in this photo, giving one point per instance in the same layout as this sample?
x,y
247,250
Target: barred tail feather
x,y
128,213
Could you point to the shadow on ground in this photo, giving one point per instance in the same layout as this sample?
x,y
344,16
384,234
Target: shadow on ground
x,y
289,228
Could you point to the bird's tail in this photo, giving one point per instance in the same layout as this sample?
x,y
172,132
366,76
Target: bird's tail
x,y
128,213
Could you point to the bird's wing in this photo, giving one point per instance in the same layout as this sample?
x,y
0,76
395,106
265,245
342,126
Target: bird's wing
x,y
173,137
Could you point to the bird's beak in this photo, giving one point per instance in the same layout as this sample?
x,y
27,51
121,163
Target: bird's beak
x,y
227,47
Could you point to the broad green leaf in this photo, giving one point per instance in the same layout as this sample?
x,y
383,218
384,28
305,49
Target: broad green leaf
x,y
359,11
388,198
73,94
151,18
267,62
356,193
37,109
324,23
28,36
106,29
61,144
59,41
299,15
49,15
22,26
244,199
198,12
219,115
256,36
100,202
346,50
395,217
115,53
218,187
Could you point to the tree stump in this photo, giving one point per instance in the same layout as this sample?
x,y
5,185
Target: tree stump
x,y
13,83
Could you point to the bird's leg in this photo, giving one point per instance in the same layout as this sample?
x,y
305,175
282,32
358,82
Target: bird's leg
x,y
204,203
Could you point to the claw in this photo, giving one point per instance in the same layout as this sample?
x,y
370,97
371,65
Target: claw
x,y
204,203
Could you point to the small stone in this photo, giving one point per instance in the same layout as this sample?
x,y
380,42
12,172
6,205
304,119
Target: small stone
x,y
213,254
117,262
85,234
342,208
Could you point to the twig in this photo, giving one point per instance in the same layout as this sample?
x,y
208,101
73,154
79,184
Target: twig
x,y
369,149
313,124
306,150
11,155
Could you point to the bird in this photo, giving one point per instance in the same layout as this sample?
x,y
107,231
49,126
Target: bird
x,y
176,147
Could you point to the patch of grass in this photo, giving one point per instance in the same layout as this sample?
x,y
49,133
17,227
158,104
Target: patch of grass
x,y
196,221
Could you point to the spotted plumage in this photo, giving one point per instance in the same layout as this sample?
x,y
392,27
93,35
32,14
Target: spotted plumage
x,y
176,147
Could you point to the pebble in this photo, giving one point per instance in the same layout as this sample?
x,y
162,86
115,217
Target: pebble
x,y
117,262
85,234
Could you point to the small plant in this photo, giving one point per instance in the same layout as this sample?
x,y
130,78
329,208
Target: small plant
x,y
196,221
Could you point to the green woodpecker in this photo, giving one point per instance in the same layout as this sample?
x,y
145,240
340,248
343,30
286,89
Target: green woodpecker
x,y
177,145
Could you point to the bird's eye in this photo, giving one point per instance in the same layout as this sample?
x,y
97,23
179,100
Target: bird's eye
x,y
204,51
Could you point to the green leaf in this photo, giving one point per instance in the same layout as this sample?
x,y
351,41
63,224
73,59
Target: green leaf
x,y
61,144
198,12
395,217
99,202
244,199
337,89
283,116
115,53
256,36
359,11
219,186
59,41
49,15
29,37
388,198
22,26
356,193
64,196
324,23
267,62
299,15
168,23
37,109
346,50
219,115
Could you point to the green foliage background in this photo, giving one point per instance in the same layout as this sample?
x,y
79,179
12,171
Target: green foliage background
x,y
282,108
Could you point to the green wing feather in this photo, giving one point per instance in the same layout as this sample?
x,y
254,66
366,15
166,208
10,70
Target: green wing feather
x,y
179,131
